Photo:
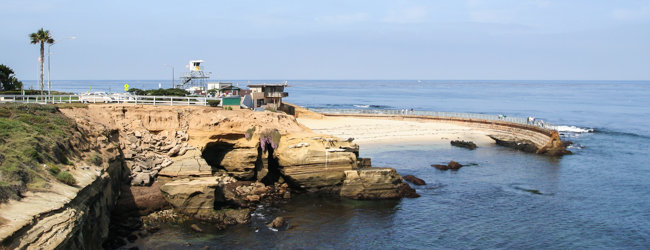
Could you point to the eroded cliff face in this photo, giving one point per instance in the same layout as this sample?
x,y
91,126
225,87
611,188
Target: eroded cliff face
x,y
201,156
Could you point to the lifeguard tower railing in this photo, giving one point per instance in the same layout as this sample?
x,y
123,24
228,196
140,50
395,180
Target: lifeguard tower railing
x,y
436,114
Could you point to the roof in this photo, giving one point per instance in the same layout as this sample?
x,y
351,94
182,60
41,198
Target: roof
x,y
230,87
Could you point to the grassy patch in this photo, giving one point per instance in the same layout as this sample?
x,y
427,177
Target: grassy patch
x,y
71,105
31,135
67,178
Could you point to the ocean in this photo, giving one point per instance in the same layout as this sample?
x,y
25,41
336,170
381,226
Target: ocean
x,y
597,198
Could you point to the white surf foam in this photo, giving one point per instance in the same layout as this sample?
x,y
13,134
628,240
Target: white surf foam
x,y
362,106
574,129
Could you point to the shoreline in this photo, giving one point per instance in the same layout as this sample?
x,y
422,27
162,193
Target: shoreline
x,y
373,131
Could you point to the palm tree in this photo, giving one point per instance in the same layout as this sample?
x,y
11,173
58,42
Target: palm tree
x,y
41,36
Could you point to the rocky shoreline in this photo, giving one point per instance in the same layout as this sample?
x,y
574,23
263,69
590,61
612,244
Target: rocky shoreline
x,y
184,164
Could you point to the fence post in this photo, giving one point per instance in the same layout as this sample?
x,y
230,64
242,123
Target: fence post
x,y
172,101
188,101
154,100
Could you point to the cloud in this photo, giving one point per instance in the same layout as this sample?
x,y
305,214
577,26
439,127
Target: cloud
x,y
408,15
344,19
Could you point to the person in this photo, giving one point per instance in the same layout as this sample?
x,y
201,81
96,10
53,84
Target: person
x,y
412,112
402,112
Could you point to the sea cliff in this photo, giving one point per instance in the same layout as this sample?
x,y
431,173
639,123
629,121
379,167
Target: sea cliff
x,y
201,160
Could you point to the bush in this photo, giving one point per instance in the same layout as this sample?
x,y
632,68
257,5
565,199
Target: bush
x,y
270,136
214,103
54,170
66,178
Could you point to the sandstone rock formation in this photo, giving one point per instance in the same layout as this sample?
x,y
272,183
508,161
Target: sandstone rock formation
x,y
372,183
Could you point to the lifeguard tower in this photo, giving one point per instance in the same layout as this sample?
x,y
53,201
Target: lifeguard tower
x,y
195,78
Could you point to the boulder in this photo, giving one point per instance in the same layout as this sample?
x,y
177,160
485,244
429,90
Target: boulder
x,y
405,190
414,180
141,179
278,222
452,165
464,144
196,228
321,164
196,198
372,183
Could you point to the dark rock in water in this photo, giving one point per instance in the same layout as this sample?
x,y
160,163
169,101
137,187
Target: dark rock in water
x,y
513,142
414,180
277,223
567,143
196,228
452,165
464,144
405,190
132,238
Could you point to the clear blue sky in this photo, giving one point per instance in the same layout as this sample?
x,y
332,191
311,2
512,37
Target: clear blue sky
x,y
469,40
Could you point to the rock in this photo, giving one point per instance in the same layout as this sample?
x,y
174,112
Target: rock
x,y
315,166
414,180
196,228
405,190
464,144
174,151
182,151
253,198
372,183
141,179
138,134
514,142
197,197
287,195
452,165
278,222
364,163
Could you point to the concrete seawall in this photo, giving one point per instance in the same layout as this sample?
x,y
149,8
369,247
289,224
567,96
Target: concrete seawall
x,y
544,140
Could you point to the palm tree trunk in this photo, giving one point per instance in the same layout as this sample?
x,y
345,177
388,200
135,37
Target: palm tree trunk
x,y
42,60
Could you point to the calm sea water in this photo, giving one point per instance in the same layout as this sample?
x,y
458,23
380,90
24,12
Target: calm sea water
x,y
597,198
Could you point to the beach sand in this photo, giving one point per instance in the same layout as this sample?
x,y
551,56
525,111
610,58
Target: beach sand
x,y
371,131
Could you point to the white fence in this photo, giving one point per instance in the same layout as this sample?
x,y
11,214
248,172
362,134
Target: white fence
x,y
146,100
537,123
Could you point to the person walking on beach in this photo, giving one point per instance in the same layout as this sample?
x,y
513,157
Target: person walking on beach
x,y
412,112
402,112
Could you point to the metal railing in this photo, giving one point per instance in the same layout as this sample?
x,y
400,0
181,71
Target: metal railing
x,y
145,100
524,121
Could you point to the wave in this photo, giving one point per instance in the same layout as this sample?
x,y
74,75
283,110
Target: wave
x,y
573,129
362,106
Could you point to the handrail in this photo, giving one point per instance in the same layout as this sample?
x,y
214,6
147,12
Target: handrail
x,y
436,114
132,99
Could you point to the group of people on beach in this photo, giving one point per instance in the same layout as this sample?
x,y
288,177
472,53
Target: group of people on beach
x,y
530,121
406,112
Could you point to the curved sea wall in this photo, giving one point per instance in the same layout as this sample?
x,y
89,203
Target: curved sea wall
x,y
544,141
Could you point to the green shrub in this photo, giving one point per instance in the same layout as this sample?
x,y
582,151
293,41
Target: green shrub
x,y
66,178
214,103
54,170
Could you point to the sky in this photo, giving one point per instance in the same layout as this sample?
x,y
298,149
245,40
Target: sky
x,y
322,40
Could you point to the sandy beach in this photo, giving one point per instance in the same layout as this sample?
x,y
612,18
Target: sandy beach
x,y
368,131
